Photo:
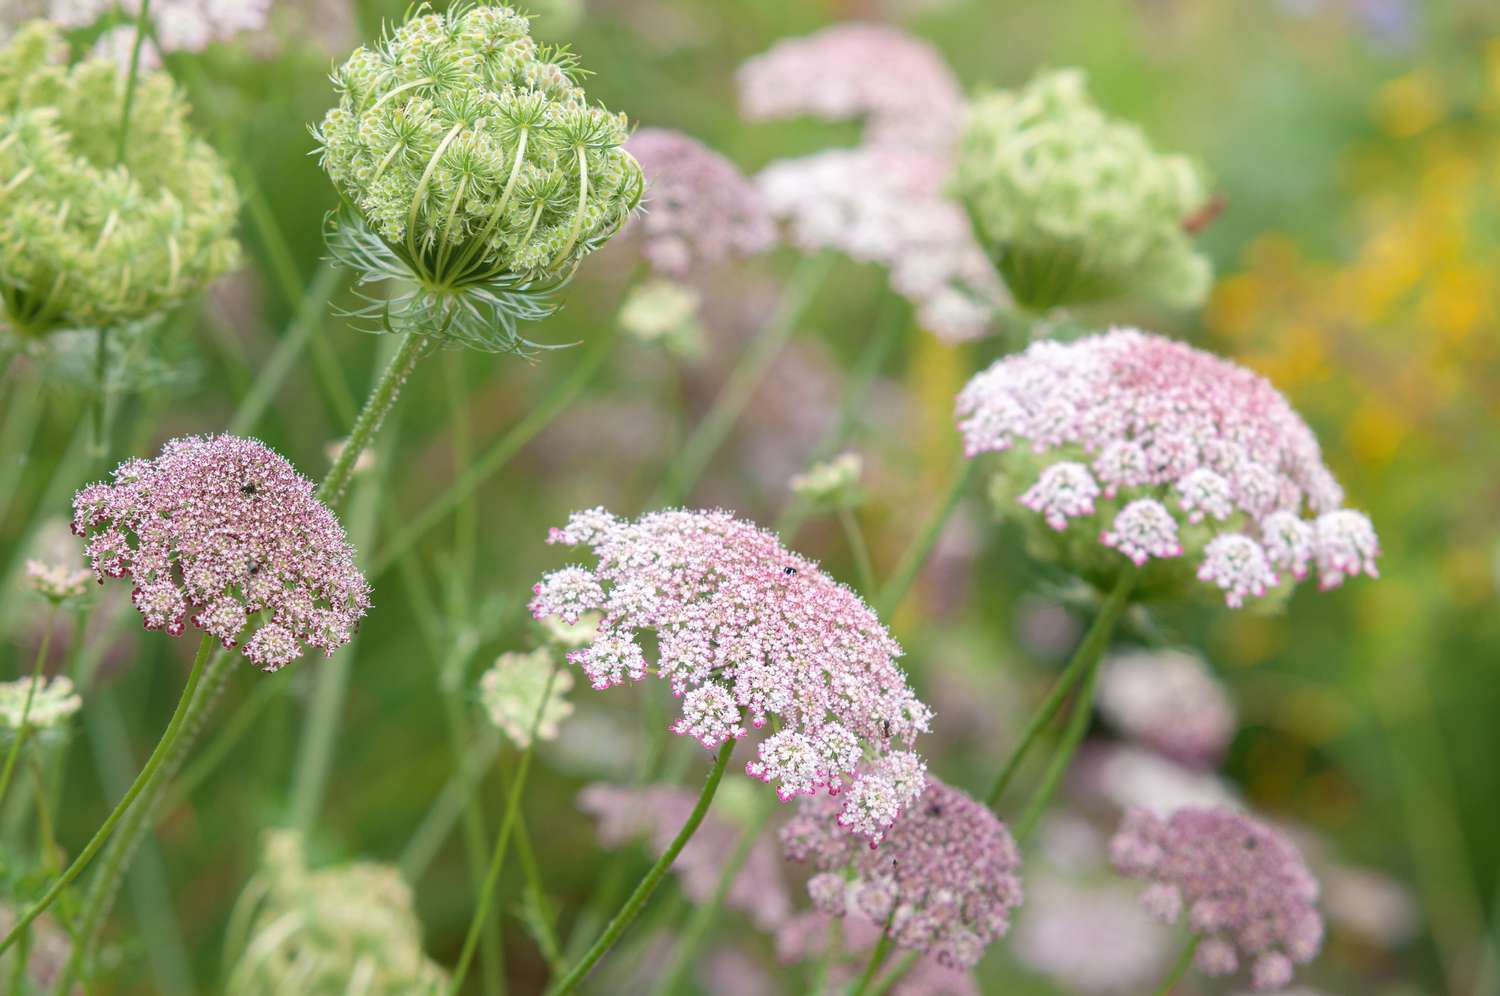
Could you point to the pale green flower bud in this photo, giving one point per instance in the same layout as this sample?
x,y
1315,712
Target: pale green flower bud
x,y
664,312
475,169
87,241
512,691
1074,206
830,482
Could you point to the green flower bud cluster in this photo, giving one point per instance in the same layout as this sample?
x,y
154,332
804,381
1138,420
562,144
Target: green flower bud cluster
x,y
1074,206
349,928
473,163
88,240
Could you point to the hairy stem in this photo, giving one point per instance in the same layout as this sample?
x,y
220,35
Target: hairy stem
x,y
382,398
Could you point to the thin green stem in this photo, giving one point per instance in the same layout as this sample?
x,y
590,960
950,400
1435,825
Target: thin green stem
x,y
382,398
831,952
921,545
21,728
283,359
446,809
872,967
102,835
132,77
864,569
540,922
99,403
1057,764
637,900
1180,966
895,975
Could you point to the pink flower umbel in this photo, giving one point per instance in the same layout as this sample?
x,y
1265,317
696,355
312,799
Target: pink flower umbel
x,y
1165,454
699,208
1170,700
943,882
224,533
1243,885
745,629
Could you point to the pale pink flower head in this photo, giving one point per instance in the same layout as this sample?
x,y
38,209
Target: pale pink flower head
x,y
1243,886
224,533
1188,465
899,85
1170,700
745,630
943,882
699,208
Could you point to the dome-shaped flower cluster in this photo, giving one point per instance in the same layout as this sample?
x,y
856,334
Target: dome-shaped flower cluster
x,y
1168,699
88,240
477,170
511,692
223,532
1073,205
1244,886
1168,455
742,626
943,881
699,208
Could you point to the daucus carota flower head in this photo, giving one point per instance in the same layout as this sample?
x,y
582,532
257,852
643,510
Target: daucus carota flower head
x,y
744,631
1243,885
176,25
1073,205
511,691
477,171
664,312
944,879
1123,951
56,582
699,208
88,240
834,481
1168,699
54,701
1127,445
224,533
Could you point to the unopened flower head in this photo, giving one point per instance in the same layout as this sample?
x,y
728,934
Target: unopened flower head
x,y
1127,445
1244,887
745,630
944,880
512,689
477,170
53,703
224,533
1168,699
56,582
699,208
346,928
1075,206
830,482
88,240
664,312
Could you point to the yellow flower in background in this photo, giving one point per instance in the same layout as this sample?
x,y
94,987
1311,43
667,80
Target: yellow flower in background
x,y
1409,105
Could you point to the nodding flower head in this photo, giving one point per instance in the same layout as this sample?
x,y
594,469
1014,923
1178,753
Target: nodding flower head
x,y
699,208
1244,887
224,533
52,705
88,239
1073,205
1127,445
476,169
745,630
943,881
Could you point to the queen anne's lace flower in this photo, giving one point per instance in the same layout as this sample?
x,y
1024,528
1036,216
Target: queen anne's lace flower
x,y
52,704
511,691
56,582
1167,699
176,25
1073,205
834,481
1089,938
740,623
223,532
1164,452
944,880
1243,885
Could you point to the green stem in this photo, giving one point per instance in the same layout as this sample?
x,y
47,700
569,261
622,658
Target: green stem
x,y
1057,765
1180,967
36,676
99,404
831,952
289,347
864,570
751,369
102,835
637,900
921,546
131,79
895,975
1085,658
872,967
382,398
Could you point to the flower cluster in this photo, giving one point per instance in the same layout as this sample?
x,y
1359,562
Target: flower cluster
x,y
943,881
334,930
1074,206
176,25
225,533
830,482
664,312
54,702
87,239
742,625
1126,951
700,209
1169,456
477,168
56,582
511,692
1169,700
1244,886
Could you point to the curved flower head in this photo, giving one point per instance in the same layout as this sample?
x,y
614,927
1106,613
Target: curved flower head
x,y
744,631
53,704
1127,446
699,208
1169,700
944,880
1244,887
1073,205
88,241
511,691
224,533
476,169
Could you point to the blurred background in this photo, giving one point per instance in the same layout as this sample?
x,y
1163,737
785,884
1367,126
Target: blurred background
x,y
1356,145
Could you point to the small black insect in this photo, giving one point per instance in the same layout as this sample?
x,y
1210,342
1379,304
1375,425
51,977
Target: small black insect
x,y
934,810
887,726
254,569
249,489
789,571
1250,844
